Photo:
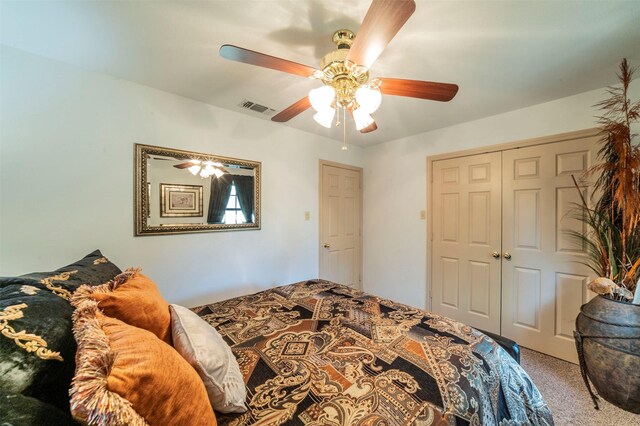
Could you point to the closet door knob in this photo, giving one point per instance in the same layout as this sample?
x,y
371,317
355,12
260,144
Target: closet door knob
x,y
496,255
326,245
506,255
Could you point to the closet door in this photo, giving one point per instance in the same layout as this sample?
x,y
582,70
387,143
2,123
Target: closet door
x,y
543,286
466,235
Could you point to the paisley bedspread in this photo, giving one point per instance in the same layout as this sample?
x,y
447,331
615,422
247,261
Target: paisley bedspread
x,y
319,353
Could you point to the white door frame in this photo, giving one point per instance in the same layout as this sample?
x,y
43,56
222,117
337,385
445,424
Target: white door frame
x,y
481,150
321,212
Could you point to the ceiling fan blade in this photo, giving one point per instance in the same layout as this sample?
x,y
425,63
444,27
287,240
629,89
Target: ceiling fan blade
x,y
250,57
381,23
183,165
442,92
370,128
290,112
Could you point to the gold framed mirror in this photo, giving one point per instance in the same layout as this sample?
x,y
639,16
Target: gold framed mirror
x,y
179,192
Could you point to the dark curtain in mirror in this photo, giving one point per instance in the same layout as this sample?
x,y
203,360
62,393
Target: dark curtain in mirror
x,y
220,191
244,192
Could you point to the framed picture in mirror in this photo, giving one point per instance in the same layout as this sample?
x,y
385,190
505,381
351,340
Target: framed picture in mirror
x,y
180,200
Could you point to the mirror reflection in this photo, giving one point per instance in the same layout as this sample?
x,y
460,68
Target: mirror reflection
x,y
182,191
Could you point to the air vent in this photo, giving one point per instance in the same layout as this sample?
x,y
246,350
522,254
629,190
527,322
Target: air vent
x,y
261,109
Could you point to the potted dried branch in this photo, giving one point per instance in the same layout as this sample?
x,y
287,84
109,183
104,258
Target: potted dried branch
x,y
608,327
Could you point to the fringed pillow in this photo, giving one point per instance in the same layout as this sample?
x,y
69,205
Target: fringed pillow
x,y
37,348
133,298
127,376
203,347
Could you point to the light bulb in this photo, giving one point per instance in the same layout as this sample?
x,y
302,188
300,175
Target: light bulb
x,y
194,169
362,118
218,172
207,171
325,117
368,99
321,97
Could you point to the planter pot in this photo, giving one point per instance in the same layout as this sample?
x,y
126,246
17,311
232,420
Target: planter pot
x,y
608,342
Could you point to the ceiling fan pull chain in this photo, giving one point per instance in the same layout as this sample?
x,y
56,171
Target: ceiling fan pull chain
x,y
344,129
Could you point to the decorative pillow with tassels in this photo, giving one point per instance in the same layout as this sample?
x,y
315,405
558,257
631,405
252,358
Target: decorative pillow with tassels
x,y
205,349
37,349
133,298
127,376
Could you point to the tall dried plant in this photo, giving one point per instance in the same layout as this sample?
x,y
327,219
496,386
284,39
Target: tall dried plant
x,y
614,243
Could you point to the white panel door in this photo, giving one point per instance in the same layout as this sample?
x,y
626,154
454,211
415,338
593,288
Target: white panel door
x,y
466,234
543,286
340,224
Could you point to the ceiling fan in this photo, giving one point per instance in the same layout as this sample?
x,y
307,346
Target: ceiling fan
x,y
345,71
206,168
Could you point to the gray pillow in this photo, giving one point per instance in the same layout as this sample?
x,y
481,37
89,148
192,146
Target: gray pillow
x,y
203,347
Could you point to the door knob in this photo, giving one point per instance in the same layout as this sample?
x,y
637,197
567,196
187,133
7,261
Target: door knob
x,y
496,254
507,255
326,245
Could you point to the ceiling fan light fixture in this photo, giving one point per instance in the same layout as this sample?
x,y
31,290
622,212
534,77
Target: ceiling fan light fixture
x,y
322,97
194,169
362,118
369,99
207,170
325,116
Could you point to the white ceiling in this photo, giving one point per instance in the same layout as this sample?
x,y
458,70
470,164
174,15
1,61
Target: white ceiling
x,y
504,55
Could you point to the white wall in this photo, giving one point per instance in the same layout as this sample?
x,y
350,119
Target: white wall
x,y
395,186
66,168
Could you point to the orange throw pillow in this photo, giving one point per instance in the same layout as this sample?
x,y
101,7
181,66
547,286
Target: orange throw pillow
x,y
127,376
133,298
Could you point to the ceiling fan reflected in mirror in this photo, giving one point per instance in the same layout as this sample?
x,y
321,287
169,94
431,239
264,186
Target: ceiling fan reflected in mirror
x,y
344,72
206,168
203,168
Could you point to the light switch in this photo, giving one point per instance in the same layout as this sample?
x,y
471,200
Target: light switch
x,y
423,215
307,215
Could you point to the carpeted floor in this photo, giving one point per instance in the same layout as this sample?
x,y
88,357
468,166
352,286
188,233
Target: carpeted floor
x,y
561,385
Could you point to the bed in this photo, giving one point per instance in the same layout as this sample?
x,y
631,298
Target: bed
x,y
320,353
310,353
